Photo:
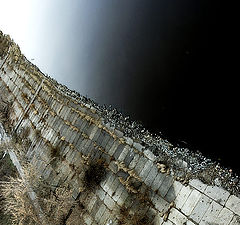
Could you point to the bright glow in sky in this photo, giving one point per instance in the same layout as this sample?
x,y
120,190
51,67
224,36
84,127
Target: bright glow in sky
x,y
43,30
15,19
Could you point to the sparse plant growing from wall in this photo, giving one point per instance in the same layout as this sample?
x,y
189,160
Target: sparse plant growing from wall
x,y
126,217
55,152
6,169
5,111
54,202
94,174
17,203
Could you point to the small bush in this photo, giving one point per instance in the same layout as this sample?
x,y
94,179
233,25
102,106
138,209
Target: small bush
x,y
55,204
5,111
6,169
94,174
134,219
55,152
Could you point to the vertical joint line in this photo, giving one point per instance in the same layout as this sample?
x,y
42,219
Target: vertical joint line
x,y
27,108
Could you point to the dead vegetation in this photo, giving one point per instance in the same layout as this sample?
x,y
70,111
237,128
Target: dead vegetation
x,y
5,111
94,174
55,152
136,218
7,169
55,202
16,202
135,210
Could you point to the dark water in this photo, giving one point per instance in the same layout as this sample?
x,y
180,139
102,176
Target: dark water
x,y
166,63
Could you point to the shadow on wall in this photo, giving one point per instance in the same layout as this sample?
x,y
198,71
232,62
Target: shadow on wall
x,y
125,197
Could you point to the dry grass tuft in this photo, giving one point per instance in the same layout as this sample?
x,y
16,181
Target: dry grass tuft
x,y
55,203
94,174
16,202
5,111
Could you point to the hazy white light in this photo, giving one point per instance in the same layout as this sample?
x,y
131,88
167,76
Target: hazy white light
x,y
15,18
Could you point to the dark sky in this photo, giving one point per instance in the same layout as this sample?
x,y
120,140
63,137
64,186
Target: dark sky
x,y
162,62
167,63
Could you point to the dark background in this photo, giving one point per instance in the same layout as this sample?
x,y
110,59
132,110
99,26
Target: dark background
x,y
168,64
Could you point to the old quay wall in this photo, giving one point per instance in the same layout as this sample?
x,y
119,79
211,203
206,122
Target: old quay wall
x,y
67,135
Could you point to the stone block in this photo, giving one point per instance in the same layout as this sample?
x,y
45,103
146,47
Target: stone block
x,y
166,184
140,164
173,191
149,155
70,156
113,148
177,217
105,217
138,146
95,133
83,125
100,193
109,182
105,141
160,204
134,161
66,113
96,207
235,220
167,223
75,193
81,145
124,153
129,157
158,181
95,154
109,202
109,144
158,219
113,167
118,151
103,182
182,196
114,186
122,198
217,193
78,123
63,130
91,203
151,176
200,209
118,192
211,215
100,212
190,223
75,140
224,217
199,185
100,138
73,135
47,172
146,169
128,140
191,202
118,133
233,203
87,219
122,174
87,147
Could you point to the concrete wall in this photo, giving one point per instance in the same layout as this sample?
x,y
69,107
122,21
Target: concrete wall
x,y
141,182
